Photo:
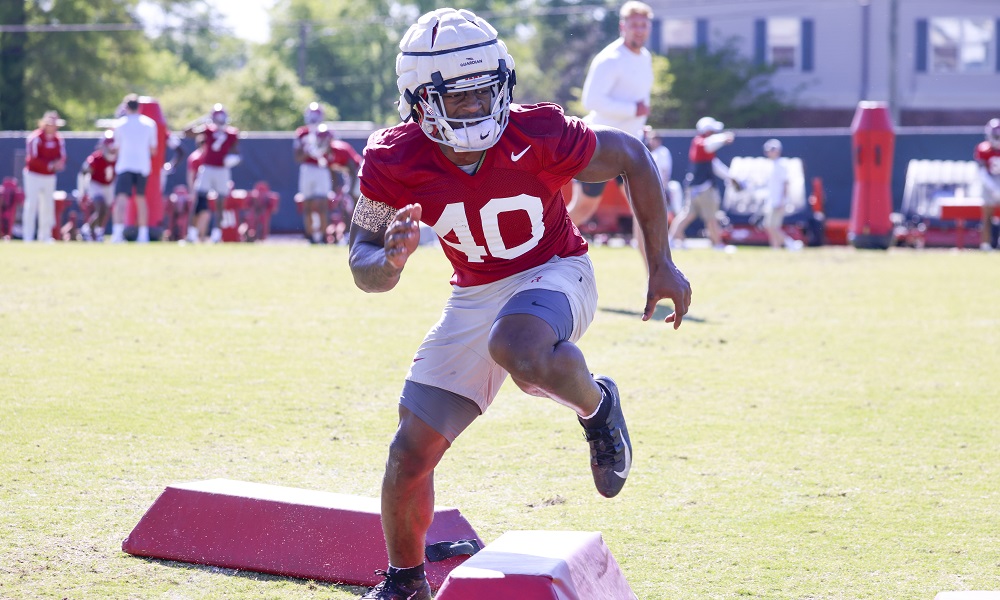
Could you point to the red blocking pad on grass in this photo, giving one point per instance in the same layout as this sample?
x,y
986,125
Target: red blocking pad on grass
x,y
281,531
540,565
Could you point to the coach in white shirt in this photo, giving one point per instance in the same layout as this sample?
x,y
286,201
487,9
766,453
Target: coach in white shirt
x,y
135,136
617,92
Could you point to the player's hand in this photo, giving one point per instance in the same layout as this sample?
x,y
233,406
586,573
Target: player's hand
x,y
403,235
667,282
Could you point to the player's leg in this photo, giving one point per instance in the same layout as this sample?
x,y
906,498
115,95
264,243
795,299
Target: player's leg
x,y
430,418
533,338
986,222
141,209
29,213
46,208
586,200
683,220
123,189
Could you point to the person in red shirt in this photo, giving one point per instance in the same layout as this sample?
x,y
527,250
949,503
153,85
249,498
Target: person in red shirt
x,y
702,199
486,175
311,147
344,162
201,216
221,154
99,168
987,157
44,157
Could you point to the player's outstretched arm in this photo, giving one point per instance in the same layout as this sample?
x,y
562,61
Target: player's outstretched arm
x,y
620,153
381,245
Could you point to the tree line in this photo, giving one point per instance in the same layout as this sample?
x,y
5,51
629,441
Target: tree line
x,y
81,57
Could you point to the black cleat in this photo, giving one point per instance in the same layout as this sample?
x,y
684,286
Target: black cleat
x,y
414,589
610,447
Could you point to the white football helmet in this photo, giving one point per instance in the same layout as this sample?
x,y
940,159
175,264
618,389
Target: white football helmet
x,y
993,132
314,113
107,144
219,115
448,51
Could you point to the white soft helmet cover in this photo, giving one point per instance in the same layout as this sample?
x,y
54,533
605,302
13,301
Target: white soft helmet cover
x,y
993,132
449,50
313,114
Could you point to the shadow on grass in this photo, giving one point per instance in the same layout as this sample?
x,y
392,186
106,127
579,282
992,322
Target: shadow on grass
x,y
661,313
311,584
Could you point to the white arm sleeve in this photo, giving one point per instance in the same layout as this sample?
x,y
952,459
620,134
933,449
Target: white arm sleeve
x,y
716,141
720,169
596,95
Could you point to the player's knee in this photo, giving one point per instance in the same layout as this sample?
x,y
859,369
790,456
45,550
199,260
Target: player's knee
x,y
412,457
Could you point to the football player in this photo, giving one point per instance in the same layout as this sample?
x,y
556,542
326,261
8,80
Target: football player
x,y
344,162
221,154
99,170
987,156
486,175
311,146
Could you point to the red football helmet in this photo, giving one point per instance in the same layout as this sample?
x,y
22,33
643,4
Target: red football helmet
x,y
314,113
219,115
993,132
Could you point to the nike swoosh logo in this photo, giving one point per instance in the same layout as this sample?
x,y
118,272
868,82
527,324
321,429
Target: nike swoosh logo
x,y
628,461
517,157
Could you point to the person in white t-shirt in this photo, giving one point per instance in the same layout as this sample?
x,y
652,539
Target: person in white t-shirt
x,y
135,136
617,93
777,194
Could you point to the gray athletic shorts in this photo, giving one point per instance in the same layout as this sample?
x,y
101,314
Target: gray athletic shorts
x,y
213,179
454,355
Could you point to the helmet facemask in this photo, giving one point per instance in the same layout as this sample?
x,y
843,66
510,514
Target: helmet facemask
x,y
464,134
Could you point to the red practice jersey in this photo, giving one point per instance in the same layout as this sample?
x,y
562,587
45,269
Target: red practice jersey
x,y
989,157
102,170
195,160
218,141
42,151
301,135
343,154
510,215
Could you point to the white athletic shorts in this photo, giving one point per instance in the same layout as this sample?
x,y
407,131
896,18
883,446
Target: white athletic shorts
x,y
314,181
454,356
105,191
213,179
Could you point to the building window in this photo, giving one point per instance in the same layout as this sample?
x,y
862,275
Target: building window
x,y
679,34
960,45
784,38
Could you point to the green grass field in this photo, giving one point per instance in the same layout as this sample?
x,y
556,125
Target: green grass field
x,y
823,426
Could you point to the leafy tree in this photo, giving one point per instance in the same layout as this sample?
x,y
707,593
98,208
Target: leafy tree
x,y
554,46
194,33
663,103
12,65
82,74
725,85
270,98
348,52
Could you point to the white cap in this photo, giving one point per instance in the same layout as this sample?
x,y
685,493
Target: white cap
x,y
708,125
772,144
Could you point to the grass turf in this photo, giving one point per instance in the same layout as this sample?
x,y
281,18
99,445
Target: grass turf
x,y
823,425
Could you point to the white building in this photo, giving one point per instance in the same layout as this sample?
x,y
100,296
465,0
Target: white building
x,y
934,62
